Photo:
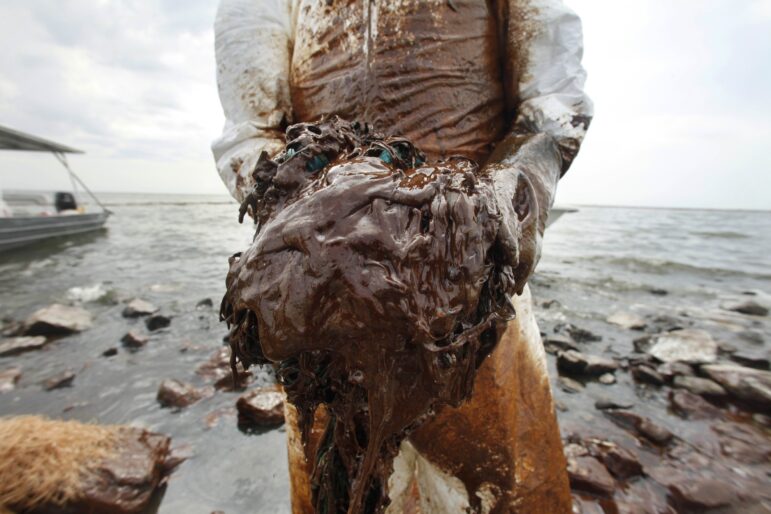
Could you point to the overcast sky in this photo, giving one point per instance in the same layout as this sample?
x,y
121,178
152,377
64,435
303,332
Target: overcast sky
x,y
682,92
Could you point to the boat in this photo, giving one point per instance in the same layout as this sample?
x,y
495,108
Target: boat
x,y
57,216
556,212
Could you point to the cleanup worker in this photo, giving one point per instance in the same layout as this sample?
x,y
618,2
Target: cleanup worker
x,y
498,81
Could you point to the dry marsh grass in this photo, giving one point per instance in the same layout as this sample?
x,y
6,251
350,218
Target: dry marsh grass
x,y
45,461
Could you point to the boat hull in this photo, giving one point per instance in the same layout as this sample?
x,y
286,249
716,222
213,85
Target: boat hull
x,y
17,231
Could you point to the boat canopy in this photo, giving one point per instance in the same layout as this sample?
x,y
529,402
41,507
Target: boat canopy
x,y
14,140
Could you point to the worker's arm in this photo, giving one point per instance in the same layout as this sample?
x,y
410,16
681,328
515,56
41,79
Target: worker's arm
x,y
550,115
253,49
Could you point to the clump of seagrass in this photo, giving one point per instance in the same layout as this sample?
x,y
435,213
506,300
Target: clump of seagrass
x,y
375,285
45,462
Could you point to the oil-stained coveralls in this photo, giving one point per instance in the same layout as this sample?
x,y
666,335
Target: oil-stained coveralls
x,y
499,81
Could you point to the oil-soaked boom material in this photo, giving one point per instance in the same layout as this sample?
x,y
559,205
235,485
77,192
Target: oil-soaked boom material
x,y
375,286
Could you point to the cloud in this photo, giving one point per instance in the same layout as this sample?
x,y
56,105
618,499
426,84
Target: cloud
x,y
130,79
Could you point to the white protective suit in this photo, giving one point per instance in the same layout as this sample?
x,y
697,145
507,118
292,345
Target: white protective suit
x,y
268,55
254,55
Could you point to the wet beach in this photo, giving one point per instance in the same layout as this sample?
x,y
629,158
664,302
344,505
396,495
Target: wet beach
x,y
697,449
662,269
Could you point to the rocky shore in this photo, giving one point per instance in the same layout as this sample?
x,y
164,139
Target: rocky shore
x,y
134,478
657,413
662,412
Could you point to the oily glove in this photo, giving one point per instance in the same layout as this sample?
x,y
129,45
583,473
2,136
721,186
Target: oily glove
x,y
525,169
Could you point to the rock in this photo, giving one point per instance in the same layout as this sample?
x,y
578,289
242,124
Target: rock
x,y
607,379
177,456
642,344
725,347
574,450
687,345
622,463
558,342
228,384
627,320
177,394
217,366
749,385
743,442
751,336
126,483
578,334
750,359
17,345
9,378
205,303
669,370
647,375
700,494
700,386
691,406
577,363
11,328
749,307
157,322
605,404
658,292
123,482
63,379
110,352
762,419
569,385
640,424
134,340
261,408
634,507
57,319
590,475
137,308
667,323
548,304
584,506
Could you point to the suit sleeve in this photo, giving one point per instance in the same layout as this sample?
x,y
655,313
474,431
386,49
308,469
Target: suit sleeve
x,y
544,81
551,94
253,52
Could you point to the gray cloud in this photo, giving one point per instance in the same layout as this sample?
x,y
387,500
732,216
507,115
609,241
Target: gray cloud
x,y
121,79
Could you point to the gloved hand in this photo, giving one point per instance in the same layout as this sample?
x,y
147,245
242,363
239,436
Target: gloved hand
x,y
525,169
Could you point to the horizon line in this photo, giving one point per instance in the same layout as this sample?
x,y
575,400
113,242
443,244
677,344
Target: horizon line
x,y
561,205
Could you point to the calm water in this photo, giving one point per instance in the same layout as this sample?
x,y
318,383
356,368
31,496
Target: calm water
x,y
600,260
172,251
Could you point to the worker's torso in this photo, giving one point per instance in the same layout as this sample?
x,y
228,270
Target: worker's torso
x,y
426,69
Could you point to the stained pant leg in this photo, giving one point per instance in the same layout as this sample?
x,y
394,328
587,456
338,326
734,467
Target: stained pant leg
x,y
504,443
500,452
